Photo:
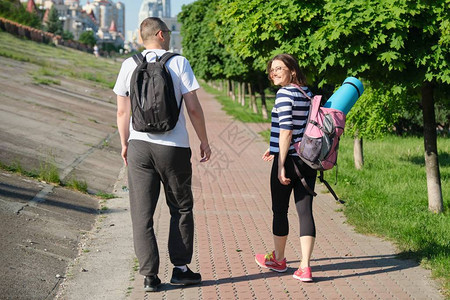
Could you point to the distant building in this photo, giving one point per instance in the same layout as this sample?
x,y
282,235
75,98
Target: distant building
x,y
110,20
104,17
161,9
154,8
175,38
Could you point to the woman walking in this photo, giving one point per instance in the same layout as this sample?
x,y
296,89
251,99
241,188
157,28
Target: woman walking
x,y
289,117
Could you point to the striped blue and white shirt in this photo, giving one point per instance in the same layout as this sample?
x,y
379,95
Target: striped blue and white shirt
x,y
290,112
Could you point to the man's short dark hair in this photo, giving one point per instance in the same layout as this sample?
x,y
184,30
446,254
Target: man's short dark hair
x,y
150,27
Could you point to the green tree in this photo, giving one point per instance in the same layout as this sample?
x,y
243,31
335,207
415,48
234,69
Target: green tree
x,y
54,24
257,30
15,11
400,46
67,35
205,53
206,42
110,48
208,56
254,31
88,38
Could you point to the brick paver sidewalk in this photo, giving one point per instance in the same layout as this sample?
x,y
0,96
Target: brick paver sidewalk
x,y
233,221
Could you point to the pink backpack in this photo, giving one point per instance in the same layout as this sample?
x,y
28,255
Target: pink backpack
x,y
320,142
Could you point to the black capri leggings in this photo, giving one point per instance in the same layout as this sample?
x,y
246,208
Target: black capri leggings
x,y
281,195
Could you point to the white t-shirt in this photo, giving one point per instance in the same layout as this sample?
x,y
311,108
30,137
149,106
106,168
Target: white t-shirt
x,y
184,81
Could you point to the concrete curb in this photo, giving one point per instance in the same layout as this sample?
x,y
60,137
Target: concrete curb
x,y
105,265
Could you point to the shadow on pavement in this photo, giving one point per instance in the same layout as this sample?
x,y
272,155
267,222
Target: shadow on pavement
x,y
377,263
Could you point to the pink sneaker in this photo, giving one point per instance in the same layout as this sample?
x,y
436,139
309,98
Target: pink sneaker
x,y
303,274
268,261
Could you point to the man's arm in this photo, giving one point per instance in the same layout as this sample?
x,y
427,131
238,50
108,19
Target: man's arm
x,y
123,123
197,118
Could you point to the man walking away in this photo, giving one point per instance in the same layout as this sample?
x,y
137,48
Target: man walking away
x,y
164,157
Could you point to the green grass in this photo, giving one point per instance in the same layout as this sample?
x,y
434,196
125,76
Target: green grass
x,y
42,75
49,172
388,198
43,71
10,53
135,265
46,81
104,195
59,61
79,185
16,167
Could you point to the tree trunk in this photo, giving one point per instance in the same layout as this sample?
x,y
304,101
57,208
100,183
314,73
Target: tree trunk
x,y
263,100
358,154
242,93
253,105
435,201
227,87
233,91
239,92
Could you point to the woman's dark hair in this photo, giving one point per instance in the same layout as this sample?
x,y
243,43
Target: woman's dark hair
x,y
292,64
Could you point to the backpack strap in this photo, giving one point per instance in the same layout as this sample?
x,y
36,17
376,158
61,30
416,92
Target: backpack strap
x,y
314,106
163,59
322,180
138,58
301,90
166,56
302,179
329,188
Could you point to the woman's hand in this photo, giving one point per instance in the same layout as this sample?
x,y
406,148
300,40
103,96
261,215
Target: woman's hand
x,y
282,176
267,156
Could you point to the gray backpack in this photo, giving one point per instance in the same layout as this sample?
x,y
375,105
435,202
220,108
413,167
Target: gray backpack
x,y
153,103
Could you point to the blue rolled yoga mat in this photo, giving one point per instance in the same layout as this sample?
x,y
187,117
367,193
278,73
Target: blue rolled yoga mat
x,y
346,96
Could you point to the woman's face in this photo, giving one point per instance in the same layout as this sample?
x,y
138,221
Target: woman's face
x,y
280,74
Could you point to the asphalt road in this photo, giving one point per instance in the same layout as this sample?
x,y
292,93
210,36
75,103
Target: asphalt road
x,y
72,126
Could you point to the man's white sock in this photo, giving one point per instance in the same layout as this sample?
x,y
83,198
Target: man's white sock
x,y
182,268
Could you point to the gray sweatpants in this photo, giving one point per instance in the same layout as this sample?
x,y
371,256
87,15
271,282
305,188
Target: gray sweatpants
x,y
148,165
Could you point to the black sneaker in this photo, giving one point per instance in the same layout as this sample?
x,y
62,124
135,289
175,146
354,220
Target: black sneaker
x,y
185,278
151,283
